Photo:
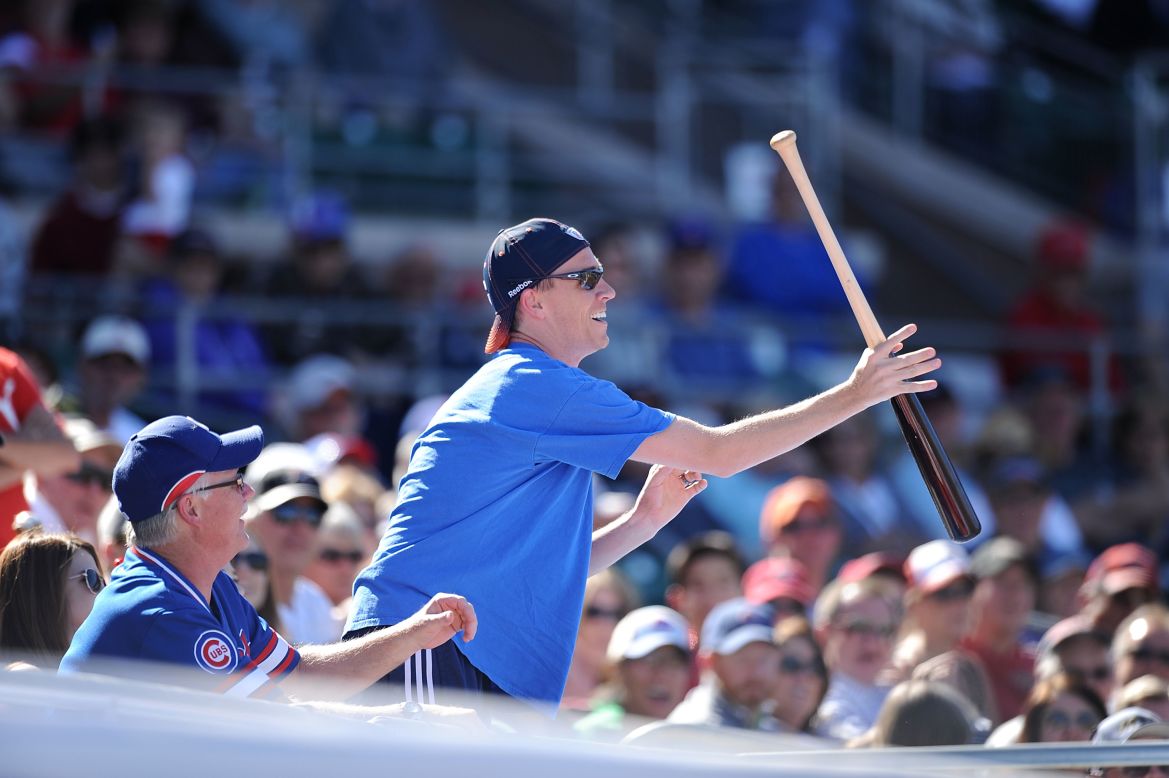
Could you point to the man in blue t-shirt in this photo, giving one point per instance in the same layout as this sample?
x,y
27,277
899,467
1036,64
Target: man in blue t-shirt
x,y
497,500
171,603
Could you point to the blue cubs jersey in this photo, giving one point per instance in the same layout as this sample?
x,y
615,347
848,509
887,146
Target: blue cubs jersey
x,y
150,611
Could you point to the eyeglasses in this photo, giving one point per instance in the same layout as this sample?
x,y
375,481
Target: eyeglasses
x,y
257,560
1085,720
289,513
237,482
89,475
789,665
959,590
816,525
588,279
597,612
93,580
1101,673
1149,654
863,628
334,555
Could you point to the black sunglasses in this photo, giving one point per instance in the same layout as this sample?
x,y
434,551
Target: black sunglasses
x,y
959,590
588,278
1148,654
237,482
597,612
93,580
257,560
90,475
333,555
789,665
289,513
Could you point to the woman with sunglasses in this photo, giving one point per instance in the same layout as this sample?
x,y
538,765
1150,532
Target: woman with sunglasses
x,y
498,496
608,598
803,676
1061,710
48,584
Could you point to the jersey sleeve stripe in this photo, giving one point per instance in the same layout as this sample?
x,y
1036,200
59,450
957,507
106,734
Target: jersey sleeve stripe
x,y
276,661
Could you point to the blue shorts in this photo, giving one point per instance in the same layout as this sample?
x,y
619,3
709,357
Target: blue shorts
x,y
434,669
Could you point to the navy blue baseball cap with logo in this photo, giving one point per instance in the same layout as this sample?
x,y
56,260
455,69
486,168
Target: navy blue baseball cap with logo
x,y
166,458
519,257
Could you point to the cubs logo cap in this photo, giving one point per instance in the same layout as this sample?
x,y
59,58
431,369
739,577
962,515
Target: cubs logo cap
x,y
168,456
519,257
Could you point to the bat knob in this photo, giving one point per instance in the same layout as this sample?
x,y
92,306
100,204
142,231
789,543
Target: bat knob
x,y
783,138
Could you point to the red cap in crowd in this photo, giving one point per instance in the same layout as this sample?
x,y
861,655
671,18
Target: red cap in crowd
x,y
775,577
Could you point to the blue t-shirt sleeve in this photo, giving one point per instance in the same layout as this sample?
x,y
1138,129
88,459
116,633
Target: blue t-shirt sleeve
x,y
599,427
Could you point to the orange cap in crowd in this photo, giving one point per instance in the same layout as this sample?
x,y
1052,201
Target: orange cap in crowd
x,y
785,502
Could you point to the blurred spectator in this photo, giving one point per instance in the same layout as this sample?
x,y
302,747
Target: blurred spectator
x,y
1026,509
1141,644
781,583
1134,501
1148,692
250,570
1080,651
72,502
608,597
32,440
742,669
946,414
1004,597
361,492
807,291
1120,579
1061,710
322,398
40,39
922,713
48,583
937,605
342,550
222,349
648,665
112,535
856,623
1054,322
81,229
1059,587
1124,726
887,568
318,277
111,371
707,342
871,515
284,517
799,520
704,571
803,676
161,209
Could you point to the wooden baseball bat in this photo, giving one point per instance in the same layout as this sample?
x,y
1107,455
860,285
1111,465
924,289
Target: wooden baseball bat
x,y
936,468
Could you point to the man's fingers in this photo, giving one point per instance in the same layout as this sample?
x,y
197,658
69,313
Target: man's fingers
x,y
914,387
893,342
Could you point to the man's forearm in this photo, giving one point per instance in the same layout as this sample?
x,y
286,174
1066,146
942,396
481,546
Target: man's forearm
x,y
339,670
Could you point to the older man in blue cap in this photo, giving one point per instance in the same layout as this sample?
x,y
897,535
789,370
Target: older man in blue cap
x,y
170,602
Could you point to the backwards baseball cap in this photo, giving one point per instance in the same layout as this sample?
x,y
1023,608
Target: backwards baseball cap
x,y
168,456
645,630
735,623
107,335
1120,567
775,577
935,565
519,257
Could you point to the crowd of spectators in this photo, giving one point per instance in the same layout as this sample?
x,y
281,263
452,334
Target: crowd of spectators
x,y
815,594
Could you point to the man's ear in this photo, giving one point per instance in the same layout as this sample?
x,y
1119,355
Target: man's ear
x,y
530,304
187,509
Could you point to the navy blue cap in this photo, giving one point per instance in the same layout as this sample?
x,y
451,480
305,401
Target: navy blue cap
x,y
168,456
519,257
735,623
